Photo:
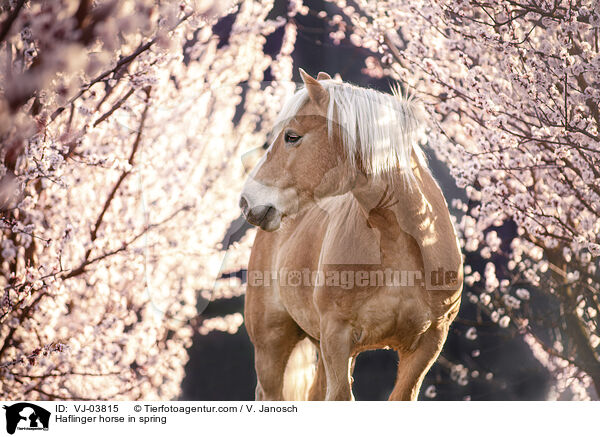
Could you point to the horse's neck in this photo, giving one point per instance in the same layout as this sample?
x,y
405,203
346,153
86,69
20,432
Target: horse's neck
x,y
420,211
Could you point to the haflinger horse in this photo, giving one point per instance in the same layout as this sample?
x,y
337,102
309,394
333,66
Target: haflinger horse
x,y
356,249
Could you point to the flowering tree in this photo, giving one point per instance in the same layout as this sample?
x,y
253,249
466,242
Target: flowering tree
x,y
118,172
512,91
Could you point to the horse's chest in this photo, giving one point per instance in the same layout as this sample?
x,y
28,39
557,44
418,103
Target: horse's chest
x,y
297,271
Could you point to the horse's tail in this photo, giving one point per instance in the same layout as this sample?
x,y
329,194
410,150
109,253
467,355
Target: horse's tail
x,y
300,371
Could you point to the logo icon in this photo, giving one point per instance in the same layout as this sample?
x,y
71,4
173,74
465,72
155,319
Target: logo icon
x,y
26,416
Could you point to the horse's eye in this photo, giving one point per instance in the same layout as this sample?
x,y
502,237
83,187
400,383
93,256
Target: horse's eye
x,y
291,138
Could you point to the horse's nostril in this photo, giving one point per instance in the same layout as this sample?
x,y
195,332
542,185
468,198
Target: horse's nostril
x,y
269,212
243,203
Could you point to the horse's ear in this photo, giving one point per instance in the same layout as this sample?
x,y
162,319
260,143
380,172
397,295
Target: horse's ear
x,y
323,76
317,93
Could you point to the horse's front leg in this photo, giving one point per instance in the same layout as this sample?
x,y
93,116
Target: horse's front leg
x,y
318,388
274,335
336,350
414,365
270,360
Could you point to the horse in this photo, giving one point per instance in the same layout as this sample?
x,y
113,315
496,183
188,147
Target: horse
x,y
355,249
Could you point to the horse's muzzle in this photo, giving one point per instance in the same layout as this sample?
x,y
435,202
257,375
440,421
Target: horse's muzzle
x,y
267,217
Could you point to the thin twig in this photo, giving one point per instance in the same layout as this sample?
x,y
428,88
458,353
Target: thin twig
x,y
10,20
116,106
120,63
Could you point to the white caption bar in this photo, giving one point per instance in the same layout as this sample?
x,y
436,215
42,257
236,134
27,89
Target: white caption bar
x,y
297,418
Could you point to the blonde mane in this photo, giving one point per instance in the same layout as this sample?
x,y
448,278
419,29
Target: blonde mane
x,y
378,130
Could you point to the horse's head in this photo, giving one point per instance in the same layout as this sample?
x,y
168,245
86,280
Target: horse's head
x,y
305,162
